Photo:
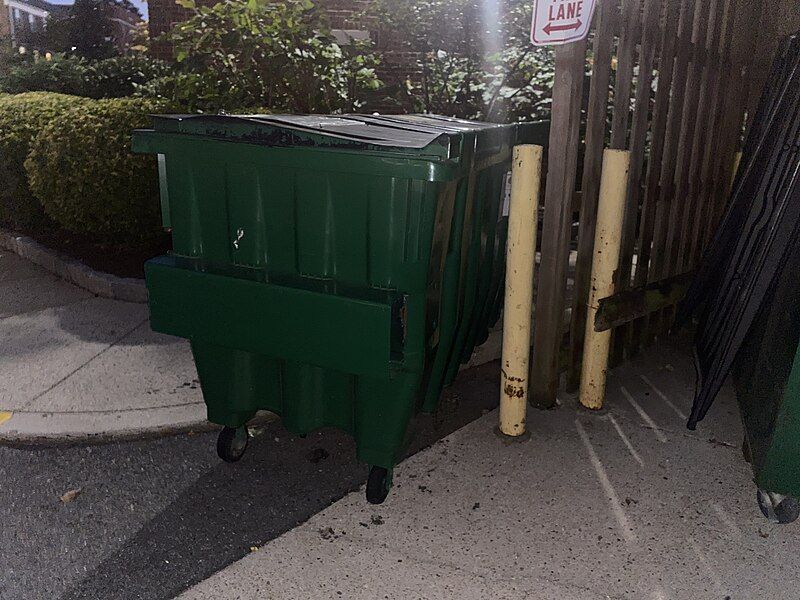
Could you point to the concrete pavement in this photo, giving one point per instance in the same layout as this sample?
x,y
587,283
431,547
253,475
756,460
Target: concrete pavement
x,y
74,366
623,504
154,516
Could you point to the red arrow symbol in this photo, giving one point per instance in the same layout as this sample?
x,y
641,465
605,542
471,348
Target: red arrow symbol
x,y
550,27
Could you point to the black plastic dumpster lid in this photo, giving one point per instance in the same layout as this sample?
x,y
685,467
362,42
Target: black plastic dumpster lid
x,y
311,130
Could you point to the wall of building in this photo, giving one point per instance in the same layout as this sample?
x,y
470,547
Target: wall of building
x,y
5,25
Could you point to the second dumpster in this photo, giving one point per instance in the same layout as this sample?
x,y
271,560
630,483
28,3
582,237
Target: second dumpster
x,y
319,266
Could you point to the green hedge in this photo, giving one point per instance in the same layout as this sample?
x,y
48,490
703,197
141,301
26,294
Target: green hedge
x,y
116,77
22,116
82,171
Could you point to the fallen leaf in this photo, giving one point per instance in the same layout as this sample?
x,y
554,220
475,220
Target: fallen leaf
x,y
70,495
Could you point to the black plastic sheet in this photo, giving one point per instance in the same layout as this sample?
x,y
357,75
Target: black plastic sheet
x,y
750,247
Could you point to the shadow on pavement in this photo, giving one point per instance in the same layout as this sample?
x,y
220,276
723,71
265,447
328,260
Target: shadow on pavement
x,y
281,482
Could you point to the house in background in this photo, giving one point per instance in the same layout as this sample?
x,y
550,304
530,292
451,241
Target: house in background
x,y
24,17
21,20
5,24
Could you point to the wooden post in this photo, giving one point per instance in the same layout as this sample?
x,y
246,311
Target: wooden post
x,y
559,194
607,244
526,171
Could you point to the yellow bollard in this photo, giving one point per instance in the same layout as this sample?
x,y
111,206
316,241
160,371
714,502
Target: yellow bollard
x,y
607,237
526,171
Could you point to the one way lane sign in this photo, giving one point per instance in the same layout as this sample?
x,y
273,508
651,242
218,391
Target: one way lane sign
x,y
561,21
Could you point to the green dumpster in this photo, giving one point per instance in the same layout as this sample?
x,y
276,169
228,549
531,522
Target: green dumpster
x,y
766,375
332,270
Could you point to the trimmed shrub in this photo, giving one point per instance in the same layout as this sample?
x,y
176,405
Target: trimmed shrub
x,y
88,181
22,116
109,78
61,75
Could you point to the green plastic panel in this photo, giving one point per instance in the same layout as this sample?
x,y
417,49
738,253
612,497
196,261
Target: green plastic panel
x,y
272,320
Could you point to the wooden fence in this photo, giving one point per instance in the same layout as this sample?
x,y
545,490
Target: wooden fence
x,y
667,80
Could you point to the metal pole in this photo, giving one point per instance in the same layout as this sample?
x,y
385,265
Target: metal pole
x,y
607,238
526,171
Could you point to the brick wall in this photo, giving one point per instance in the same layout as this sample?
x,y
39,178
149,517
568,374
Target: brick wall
x,y
5,26
398,64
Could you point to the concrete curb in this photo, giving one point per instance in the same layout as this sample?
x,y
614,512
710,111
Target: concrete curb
x,y
23,428
74,271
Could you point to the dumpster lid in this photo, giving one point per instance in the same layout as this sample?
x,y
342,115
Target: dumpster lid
x,y
421,135
307,130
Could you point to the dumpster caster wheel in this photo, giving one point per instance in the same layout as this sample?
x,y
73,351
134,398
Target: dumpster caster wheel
x,y
232,443
378,485
778,508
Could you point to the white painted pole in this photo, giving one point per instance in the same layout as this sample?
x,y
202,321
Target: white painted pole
x,y
526,172
607,238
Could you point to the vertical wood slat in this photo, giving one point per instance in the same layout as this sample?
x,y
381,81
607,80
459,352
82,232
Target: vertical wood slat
x,y
639,129
665,213
734,113
607,15
713,151
689,122
666,69
626,51
741,51
626,59
678,179
666,197
652,211
570,60
703,129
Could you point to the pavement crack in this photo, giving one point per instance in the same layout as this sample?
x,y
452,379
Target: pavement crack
x,y
71,373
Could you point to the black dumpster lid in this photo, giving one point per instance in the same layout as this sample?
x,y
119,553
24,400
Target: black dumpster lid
x,y
420,134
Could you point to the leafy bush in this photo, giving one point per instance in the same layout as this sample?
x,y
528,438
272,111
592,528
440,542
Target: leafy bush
x,y
256,53
21,118
474,60
84,174
123,75
60,75
109,78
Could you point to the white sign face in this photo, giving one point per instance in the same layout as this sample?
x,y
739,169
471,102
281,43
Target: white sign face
x,y
561,21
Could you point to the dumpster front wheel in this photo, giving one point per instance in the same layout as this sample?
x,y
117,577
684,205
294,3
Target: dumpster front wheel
x,y
778,508
232,443
378,485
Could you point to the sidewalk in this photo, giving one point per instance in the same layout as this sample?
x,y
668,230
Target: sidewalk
x,y
622,504
77,367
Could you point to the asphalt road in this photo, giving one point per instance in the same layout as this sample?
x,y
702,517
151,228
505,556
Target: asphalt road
x,y
153,517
